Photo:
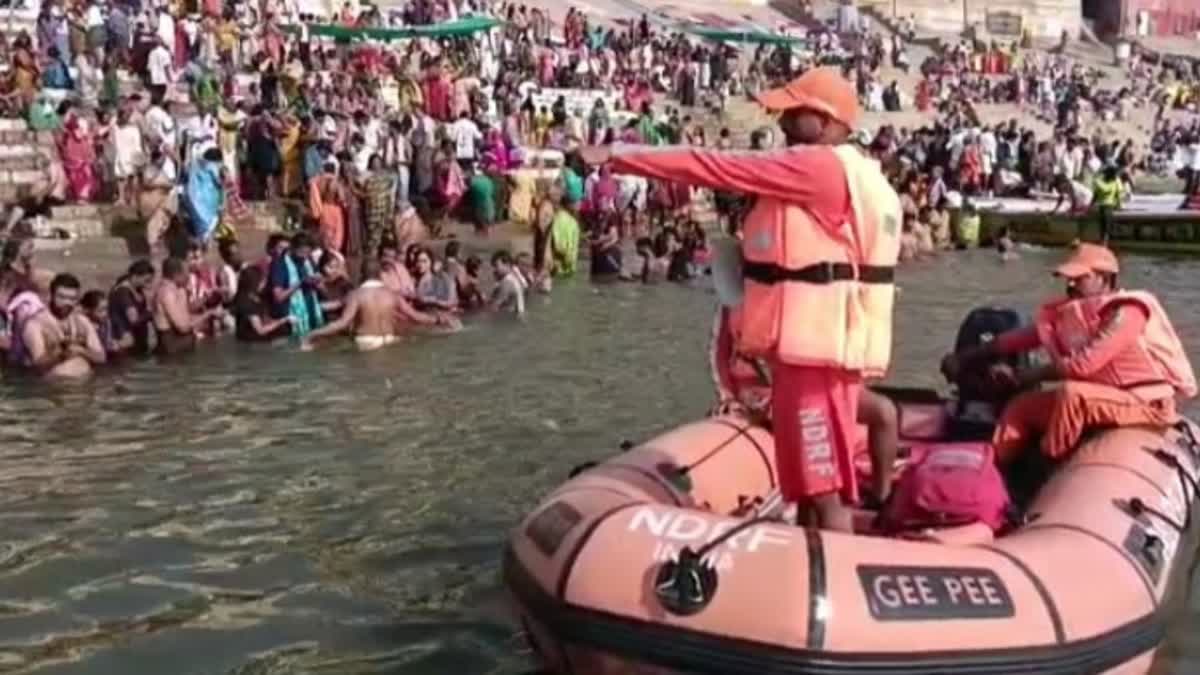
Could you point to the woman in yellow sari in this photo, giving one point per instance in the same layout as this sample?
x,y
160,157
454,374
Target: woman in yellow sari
x,y
289,151
326,206
520,200
409,93
26,73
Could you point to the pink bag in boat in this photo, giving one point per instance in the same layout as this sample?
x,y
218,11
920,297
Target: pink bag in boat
x,y
947,485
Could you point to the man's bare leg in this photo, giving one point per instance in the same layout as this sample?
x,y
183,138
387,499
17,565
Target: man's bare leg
x,y
831,513
882,419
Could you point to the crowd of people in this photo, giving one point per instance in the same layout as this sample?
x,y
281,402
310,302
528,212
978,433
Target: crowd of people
x,y
183,115
295,119
959,161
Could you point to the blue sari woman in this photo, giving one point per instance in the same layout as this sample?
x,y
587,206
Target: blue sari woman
x,y
205,194
303,305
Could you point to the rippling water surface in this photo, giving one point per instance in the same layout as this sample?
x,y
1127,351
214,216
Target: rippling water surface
x,y
267,511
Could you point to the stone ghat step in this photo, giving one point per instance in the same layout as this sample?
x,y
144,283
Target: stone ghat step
x,y
90,222
25,163
78,228
113,213
12,193
17,25
21,150
74,211
100,261
13,124
19,178
40,139
96,246
88,234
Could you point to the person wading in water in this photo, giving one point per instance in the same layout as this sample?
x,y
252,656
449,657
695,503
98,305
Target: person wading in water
x,y
376,315
820,245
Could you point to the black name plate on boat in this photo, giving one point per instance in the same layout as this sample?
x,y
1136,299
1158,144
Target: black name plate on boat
x,y
903,593
548,529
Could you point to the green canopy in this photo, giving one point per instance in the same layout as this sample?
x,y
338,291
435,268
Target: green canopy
x,y
467,26
748,35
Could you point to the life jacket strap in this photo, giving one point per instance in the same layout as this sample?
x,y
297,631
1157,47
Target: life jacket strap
x,y
819,273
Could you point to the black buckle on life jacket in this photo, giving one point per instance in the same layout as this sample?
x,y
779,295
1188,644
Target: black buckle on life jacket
x,y
824,272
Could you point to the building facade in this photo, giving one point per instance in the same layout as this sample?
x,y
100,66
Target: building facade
x,y
1143,18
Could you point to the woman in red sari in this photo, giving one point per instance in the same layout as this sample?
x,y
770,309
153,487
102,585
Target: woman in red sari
x,y
970,168
78,151
437,90
924,95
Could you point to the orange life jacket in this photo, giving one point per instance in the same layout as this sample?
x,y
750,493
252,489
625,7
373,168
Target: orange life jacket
x,y
737,377
819,298
1153,368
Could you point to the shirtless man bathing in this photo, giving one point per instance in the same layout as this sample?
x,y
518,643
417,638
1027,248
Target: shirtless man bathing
x,y
377,316
56,342
174,321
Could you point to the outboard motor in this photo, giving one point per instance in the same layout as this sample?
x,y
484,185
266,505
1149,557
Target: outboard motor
x,y
980,396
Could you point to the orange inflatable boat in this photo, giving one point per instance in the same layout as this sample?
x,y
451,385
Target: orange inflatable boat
x,y
1082,585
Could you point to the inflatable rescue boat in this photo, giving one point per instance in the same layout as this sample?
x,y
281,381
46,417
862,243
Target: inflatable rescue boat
x,y
672,557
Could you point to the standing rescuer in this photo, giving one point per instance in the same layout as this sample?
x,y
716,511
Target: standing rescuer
x,y
819,249
1114,353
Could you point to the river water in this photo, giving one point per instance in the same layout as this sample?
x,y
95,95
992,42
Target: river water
x,y
268,511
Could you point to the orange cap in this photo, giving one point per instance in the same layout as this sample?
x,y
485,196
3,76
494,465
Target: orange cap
x,y
1086,259
821,89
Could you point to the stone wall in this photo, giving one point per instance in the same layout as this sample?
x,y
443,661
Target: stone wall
x,y
1045,18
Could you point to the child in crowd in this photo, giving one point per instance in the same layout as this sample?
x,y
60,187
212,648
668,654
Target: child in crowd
x,y
651,267
1005,245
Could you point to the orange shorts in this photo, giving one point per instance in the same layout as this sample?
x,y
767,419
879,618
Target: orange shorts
x,y
813,412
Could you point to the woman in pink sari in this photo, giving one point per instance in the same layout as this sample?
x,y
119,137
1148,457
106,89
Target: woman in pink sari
x,y
273,40
638,93
495,150
602,196
437,92
451,184
546,66
78,152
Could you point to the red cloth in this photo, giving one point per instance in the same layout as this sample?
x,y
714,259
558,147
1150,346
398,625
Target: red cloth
x,y
437,98
814,413
1018,341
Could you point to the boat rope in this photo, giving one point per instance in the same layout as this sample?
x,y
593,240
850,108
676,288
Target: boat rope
x,y
1138,507
1185,481
584,466
1188,437
580,468
738,431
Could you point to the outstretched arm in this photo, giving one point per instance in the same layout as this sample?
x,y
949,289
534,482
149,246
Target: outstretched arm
x,y
339,325
798,174
405,309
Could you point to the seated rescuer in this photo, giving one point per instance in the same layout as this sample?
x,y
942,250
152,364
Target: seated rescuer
x,y
820,247
1114,352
